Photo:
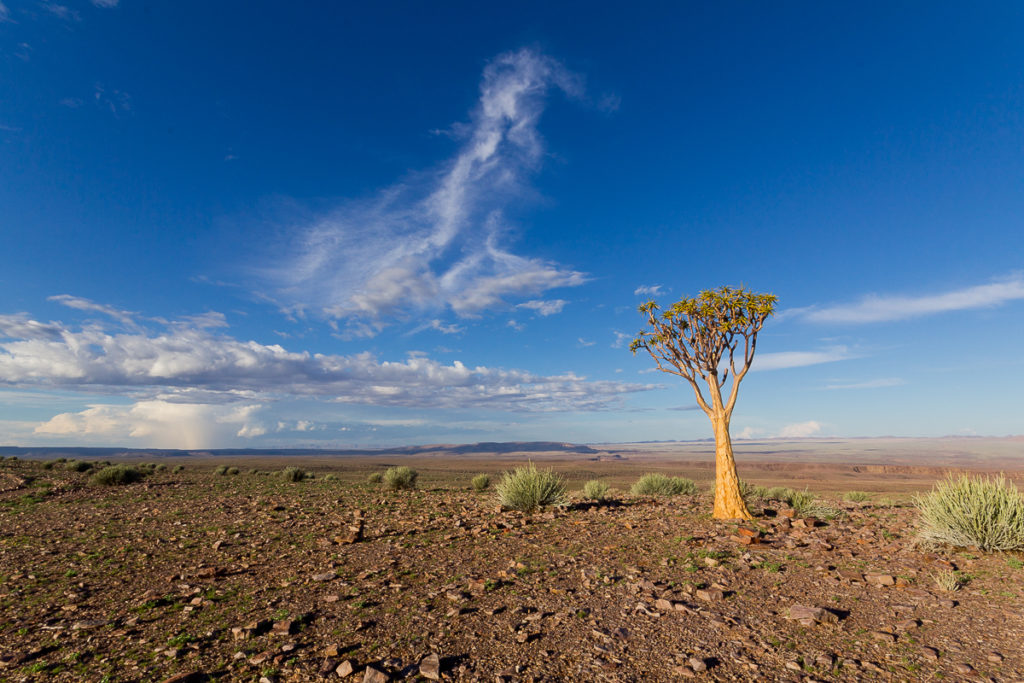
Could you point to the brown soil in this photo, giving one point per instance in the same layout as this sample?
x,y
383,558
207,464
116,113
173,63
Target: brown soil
x,y
240,577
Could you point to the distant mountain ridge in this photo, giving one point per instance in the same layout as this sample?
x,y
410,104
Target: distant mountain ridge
x,y
493,447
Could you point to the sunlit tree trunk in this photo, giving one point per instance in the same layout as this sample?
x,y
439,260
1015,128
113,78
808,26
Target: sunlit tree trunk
x,y
728,501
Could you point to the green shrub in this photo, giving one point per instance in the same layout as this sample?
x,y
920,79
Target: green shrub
x,y
253,470
655,484
781,494
528,488
160,468
292,474
375,478
222,470
595,490
179,468
807,505
116,475
398,478
48,465
856,497
77,466
481,482
329,477
972,511
234,471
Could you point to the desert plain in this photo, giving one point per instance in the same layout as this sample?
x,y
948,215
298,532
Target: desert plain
x,y
195,575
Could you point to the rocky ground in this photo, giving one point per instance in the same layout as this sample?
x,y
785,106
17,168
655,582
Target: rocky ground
x,y
190,576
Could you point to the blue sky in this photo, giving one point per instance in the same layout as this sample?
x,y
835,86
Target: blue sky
x,y
255,224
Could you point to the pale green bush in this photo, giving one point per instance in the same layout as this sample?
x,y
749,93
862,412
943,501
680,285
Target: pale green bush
x,y
655,484
528,488
374,477
595,490
292,474
399,478
481,482
856,497
984,512
116,475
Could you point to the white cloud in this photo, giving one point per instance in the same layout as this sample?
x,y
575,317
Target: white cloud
x,y
440,327
61,11
800,430
545,308
435,241
647,290
795,359
872,309
197,365
621,339
518,327
5,14
158,423
583,342
105,3
870,384
81,304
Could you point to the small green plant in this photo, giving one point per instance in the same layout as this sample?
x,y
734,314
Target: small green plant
x,y
856,497
179,468
527,488
77,466
233,471
481,482
1015,563
806,504
946,580
374,477
48,465
400,478
160,468
595,490
984,512
292,474
221,471
655,484
781,494
116,475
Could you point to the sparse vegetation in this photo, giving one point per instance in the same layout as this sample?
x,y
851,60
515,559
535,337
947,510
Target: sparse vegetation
x,y
595,490
221,471
946,580
117,475
983,512
527,488
374,477
292,474
780,494
856,497
77,466
233,471
656,484
400,478
807,504
481,482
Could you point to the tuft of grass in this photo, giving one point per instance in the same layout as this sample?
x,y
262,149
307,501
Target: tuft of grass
x,y
946,580
856,497
160,468
233,471
807,504
781,494
481,482
399,478
375,478
655,484
116,475
292,474
179,468
222,470
595,490
77,466
982,512
527,488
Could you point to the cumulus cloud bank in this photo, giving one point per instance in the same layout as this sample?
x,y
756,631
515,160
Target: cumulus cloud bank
x,y
437,242
197,365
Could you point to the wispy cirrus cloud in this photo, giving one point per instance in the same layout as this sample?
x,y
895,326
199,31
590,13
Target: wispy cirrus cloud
x,y
437,240
800,430
870,384
544,308
648,290
887,308
781,360
83,304
106,4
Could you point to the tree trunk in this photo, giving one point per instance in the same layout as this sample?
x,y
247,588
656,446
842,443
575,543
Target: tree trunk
x,y
728,501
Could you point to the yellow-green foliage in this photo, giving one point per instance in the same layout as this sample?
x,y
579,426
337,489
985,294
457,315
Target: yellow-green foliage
x,y
982,512
528,488
596,490
655,484
481,482
397,478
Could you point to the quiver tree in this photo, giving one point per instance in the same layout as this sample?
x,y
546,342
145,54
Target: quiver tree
x,y
712,338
